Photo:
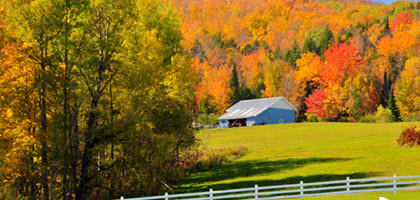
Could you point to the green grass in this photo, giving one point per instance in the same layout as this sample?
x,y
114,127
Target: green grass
x,y
311,152
401,195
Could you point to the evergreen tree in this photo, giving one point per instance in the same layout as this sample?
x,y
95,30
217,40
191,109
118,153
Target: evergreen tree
x,y
234,85
386,31
310,46
246,93
393,107
327,40
292,55
386,87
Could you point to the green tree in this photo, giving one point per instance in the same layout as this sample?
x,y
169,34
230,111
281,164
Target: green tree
x,y
310,46
292,55
384,115
326,41
234,85
393,107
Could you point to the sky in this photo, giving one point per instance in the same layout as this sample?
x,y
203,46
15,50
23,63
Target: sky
x,y
388,2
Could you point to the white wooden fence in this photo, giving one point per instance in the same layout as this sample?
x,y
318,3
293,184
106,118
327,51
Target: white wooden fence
x,y
301,190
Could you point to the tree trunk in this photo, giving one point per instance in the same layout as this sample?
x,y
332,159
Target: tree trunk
x,y
43,108
90,134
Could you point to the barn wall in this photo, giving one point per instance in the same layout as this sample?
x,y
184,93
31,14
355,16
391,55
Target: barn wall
x,y
274,115
251,121
281,105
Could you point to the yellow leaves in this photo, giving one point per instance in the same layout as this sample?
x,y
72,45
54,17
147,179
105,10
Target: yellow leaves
x,y
181,80
309,68
276,78
374,31
401,42
252,71
412,68
407,91
256,25
216,84
9,113
385,46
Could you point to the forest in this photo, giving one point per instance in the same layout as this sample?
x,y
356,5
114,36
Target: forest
x,y
98,97
333,60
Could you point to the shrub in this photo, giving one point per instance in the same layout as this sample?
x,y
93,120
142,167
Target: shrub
x,y
216,157
346,119
384,115
368,119
409,137
412,117
311,118
210,118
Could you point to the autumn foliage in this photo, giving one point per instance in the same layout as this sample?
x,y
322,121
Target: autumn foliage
x,y
315,104
327,46
402,19
410,136
341,61
97,99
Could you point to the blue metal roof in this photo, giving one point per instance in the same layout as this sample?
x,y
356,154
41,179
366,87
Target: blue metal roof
x,y
251,108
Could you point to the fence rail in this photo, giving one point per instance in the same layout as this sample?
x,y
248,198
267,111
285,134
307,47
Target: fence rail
x,y
301,189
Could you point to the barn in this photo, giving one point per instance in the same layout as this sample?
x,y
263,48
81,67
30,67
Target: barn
x,y
276,110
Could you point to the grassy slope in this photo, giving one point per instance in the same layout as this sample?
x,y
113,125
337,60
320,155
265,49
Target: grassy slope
x,y
312,152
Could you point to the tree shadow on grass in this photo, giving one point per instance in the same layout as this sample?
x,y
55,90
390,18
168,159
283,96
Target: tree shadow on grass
x,y
286,181
243,169
294,180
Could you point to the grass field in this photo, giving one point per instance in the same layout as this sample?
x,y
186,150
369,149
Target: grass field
x,y
401,195
311,152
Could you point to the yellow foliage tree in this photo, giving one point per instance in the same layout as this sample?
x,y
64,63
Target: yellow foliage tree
x,y
252,71
309,68
407,92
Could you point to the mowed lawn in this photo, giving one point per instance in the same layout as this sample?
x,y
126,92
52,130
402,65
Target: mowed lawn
x,y
311,152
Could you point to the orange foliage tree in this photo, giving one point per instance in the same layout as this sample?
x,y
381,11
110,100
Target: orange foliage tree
x,y
341,61
252,71
403,18
19,136
215,85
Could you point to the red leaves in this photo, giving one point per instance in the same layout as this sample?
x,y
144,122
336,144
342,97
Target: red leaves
x,y
340,60
315,103
401,19
410,137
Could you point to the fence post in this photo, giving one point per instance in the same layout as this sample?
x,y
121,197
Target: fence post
x,y
256,191
166,196
348,185
301,189
122,198
211,194
395,183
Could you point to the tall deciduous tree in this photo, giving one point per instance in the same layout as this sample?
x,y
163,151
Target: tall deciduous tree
x,y
39,23
341,61
407,93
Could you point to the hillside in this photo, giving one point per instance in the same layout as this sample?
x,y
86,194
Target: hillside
x,y
312,152
331,59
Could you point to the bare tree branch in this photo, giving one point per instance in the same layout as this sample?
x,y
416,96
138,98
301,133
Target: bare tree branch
x,y
86,81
